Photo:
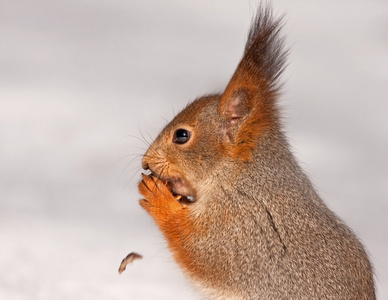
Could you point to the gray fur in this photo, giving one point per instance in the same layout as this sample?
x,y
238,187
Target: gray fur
x,y
266,232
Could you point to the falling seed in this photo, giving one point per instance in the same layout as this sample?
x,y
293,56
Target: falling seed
x,y
127,260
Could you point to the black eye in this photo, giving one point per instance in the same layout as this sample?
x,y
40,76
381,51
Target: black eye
x,y
181,136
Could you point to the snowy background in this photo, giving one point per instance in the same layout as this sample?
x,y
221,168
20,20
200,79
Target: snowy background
x,y
82,80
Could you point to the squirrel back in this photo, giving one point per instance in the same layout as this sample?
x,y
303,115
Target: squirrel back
x,y
240,216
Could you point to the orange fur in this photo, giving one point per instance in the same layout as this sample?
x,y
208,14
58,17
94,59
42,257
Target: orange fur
x,y
172,217
262,114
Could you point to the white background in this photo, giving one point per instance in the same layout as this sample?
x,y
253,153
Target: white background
x,y
82,81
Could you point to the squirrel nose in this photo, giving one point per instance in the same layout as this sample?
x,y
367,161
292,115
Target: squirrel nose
x,y
145,166
144,162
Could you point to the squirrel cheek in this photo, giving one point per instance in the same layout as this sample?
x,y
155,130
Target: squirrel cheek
x,y
182,188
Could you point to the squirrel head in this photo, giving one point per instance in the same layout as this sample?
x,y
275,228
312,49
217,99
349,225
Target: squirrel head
x,y
219,132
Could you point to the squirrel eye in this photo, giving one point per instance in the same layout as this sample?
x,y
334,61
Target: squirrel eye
x,y
181,136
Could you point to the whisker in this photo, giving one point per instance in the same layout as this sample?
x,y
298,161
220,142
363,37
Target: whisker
x,y
148,143
130,179
167,121
127,165
149,136
136,137
145,140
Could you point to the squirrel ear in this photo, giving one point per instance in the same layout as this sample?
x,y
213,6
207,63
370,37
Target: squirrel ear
x,y
237,107
248,104
234,109
246,114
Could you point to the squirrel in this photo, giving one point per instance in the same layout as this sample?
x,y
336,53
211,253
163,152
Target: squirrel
x,y
240,216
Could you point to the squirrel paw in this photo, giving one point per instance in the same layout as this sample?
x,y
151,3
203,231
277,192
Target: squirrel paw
x,y
158,200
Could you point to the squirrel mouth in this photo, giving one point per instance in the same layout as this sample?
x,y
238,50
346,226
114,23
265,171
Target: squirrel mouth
x,y
178,189
174,186
183,199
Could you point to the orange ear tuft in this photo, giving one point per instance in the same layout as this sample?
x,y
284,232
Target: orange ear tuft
x,y
248,102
